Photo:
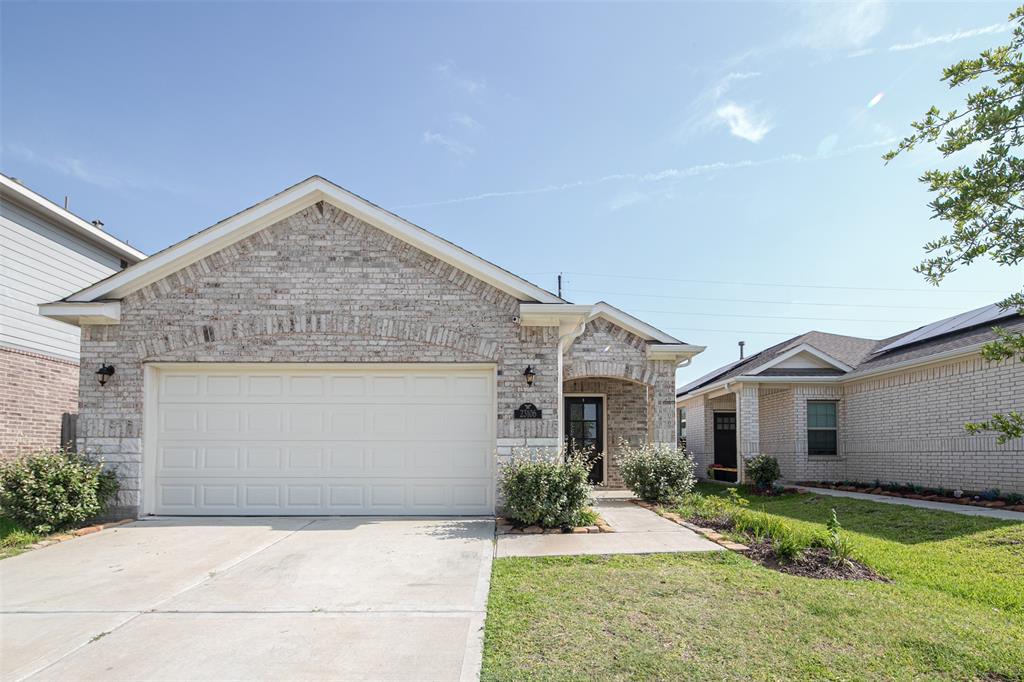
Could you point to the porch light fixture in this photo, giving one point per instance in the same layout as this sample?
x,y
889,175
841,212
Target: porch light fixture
x,y
530,375
104,373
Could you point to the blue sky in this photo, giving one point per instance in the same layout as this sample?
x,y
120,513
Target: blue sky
x,y
711,168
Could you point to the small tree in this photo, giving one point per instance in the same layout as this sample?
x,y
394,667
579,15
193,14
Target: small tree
x,y
983,201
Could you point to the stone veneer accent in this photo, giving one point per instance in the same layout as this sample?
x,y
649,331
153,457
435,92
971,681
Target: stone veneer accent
x,y
324,286
904,426
36,390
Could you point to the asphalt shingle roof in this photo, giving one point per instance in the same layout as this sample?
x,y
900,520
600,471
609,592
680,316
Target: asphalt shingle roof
x,y
864,355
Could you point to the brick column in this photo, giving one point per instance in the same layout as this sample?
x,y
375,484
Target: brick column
x,y
748,436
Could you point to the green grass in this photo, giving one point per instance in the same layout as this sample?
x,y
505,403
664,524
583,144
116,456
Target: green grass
x,y
953,610
13,538
976,558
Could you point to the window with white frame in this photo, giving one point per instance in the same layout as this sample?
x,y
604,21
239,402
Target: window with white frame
x,y
822,436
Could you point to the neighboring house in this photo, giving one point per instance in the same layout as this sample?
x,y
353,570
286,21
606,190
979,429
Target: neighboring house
x,y
833,407
45,253
316,354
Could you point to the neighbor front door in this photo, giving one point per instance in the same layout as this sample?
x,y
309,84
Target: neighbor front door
x,y
584,431
725,444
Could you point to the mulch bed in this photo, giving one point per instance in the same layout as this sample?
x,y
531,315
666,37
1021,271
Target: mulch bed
x,y
929,495
813,562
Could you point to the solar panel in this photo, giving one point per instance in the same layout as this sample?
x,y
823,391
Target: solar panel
x,y
971,318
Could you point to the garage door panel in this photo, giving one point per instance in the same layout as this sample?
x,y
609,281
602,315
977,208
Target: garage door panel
x,y
324,442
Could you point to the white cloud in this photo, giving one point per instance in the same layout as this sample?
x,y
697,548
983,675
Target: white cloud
x,y
665,175
743,122
621,201
87,173
841,25
949,37
723,85
454,147
448,71
466,121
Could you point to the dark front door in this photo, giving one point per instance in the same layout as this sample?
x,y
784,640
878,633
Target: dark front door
x,y
584,431
725,445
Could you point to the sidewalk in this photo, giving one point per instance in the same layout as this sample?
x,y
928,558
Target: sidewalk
x,y
966,510
637,531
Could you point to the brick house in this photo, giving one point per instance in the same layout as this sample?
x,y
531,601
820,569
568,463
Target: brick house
x,y
833,407
316,354
45,252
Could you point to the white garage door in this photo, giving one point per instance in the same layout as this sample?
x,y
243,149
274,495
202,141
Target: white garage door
x,y
288,440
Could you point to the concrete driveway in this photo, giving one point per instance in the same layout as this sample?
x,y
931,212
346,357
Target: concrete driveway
x,y
246,598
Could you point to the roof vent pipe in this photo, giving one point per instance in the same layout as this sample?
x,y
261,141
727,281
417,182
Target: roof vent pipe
x,y
742,343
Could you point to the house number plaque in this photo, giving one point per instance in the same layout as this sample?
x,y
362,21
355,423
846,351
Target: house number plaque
x,y
527,411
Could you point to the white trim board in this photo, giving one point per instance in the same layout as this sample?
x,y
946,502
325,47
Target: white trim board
x,y
290,201
88,231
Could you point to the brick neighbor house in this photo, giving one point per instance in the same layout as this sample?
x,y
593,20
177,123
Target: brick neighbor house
x,y
316,354
834,408
46,252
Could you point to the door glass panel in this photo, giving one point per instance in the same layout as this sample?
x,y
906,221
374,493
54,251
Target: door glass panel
x,y
590,412
590,429
575,411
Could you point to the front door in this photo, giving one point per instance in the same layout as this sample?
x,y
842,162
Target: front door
x,y
584,431
725,445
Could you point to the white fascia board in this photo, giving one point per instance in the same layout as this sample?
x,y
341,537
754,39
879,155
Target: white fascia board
x,y
69,220
550,315
803,348
289,202
673,351
94,312
724,385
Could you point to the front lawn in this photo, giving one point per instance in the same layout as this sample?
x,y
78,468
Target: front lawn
x,y
975,557
953,611
13,538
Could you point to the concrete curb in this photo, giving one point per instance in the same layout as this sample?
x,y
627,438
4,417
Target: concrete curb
x,y
502,526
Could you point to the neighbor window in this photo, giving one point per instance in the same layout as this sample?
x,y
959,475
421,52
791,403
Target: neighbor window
x,y
681,416
821,428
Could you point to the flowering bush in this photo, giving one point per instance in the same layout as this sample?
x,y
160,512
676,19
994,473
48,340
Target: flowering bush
x,y
656,472
54,490
543,487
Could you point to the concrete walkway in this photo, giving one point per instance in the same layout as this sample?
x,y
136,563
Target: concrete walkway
x,y
637,531
965,509
352,598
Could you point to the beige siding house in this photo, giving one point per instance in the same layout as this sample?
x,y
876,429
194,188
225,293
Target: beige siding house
x,y
316,354
46,253
841,408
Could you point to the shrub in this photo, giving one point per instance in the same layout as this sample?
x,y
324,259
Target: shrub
x,y
545,488
54,490
763,470
990,495
656,473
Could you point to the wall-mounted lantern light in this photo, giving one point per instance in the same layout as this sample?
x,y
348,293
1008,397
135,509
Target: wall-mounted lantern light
x,y
104,373
530,375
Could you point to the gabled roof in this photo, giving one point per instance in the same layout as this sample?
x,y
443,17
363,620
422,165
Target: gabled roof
x,y
15,192
841,352
548,314
286,203
957,335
